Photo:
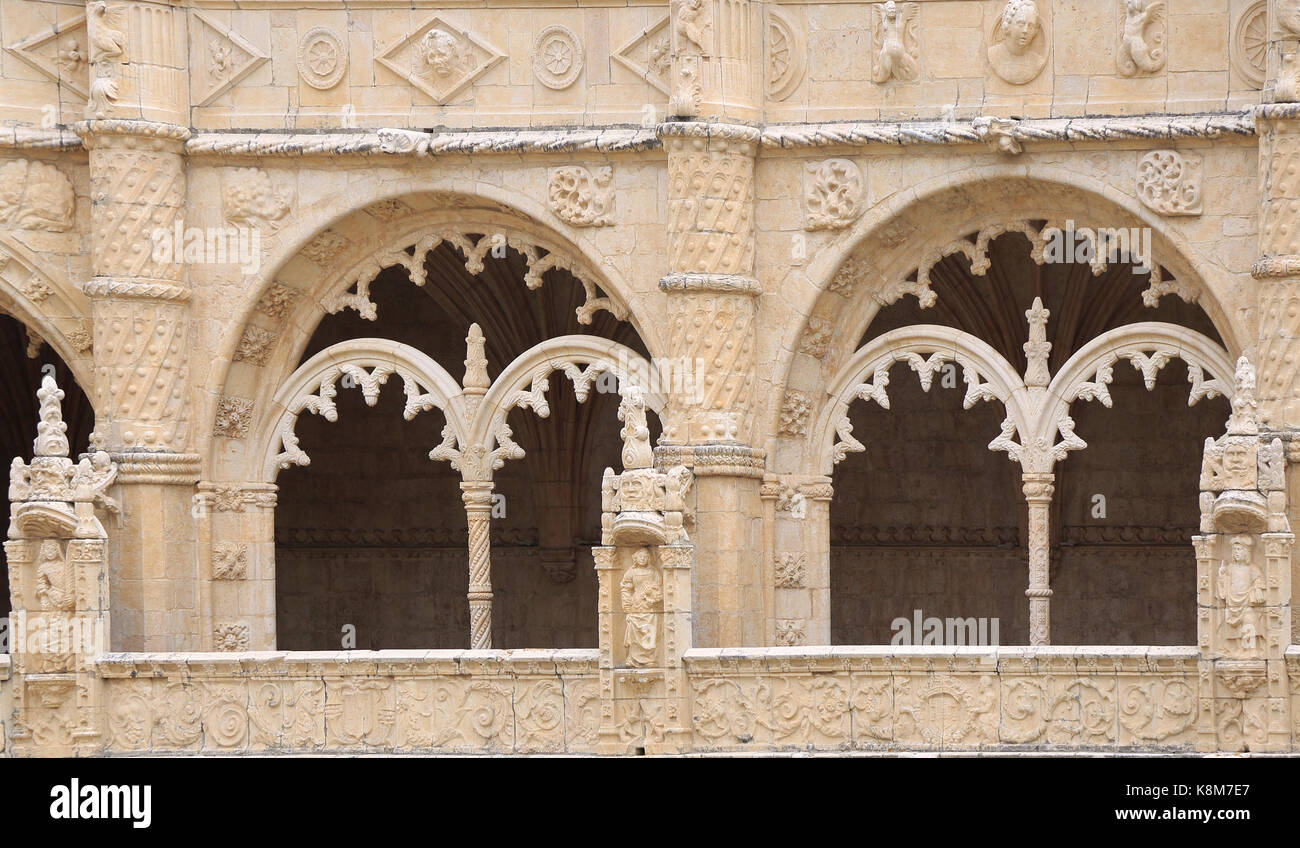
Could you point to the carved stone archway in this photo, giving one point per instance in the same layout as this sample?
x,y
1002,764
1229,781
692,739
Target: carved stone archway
x,y
332,269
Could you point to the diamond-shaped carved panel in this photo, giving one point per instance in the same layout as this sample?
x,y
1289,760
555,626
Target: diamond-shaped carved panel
x,y
648,54
440,59
59,53
220,58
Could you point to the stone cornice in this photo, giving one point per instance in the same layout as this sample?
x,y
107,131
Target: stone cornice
x,y
401,142
34,138
907,133
405,142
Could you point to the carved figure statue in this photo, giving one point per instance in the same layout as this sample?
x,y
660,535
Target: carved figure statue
x,y
894,61
1241,588
641,593
1137,51
53,588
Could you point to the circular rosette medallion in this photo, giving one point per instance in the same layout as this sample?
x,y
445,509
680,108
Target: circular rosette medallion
x,y
557,57
322,58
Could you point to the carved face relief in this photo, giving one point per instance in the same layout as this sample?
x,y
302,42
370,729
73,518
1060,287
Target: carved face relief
x,y
1019,26
439,49
1019,43
1236,460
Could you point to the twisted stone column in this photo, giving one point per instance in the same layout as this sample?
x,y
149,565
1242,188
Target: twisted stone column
x,y
708,425
140,302
1039,488
478,513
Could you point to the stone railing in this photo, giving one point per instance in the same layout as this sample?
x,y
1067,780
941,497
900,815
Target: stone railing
x,y
738,700
943,698
543,701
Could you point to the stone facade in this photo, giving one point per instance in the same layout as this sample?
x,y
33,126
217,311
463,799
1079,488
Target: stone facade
x,y
860,308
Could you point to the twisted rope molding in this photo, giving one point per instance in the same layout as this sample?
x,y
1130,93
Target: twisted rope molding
x,y
859,133
617,139
390,142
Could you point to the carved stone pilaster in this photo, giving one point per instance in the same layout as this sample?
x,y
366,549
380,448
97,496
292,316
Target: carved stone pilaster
x,y
645,602
58,586
717,68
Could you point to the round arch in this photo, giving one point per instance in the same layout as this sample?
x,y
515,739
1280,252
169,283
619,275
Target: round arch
x,y
925,348
1148,346
367,363
54,310
329,269
893,241
568,355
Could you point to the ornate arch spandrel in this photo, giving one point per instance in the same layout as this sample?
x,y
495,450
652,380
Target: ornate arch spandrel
x,y
894,235
56,311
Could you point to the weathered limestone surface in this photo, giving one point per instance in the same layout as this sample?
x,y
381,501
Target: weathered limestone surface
x,y
793,203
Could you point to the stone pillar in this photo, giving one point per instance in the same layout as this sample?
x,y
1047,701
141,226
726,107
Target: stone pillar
x,y
140,305
796,517
712,304
236,532
717,59
1277,123
478,513
1039,488
1243,584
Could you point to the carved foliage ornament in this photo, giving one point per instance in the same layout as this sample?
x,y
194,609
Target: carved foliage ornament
x,y
250,199
580,197
1170,182
835,195
1019,43
234,414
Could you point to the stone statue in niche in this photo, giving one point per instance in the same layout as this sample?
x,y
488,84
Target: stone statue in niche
x,y
1240,586
1019,49
642,593
53,586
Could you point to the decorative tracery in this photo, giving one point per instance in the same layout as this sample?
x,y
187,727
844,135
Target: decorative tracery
x,y
1101,248
475,247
